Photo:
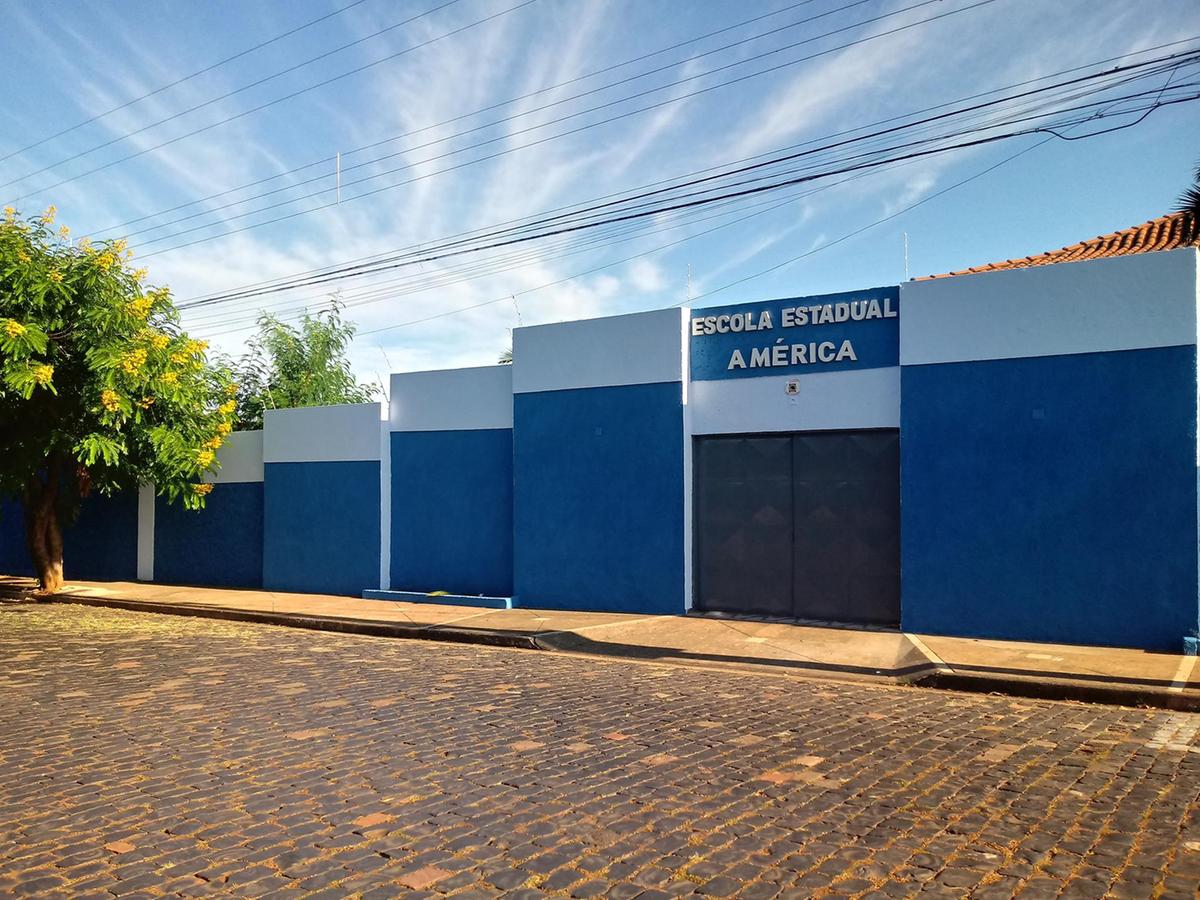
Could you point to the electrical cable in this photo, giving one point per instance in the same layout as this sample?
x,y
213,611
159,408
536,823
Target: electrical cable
x,y
178,81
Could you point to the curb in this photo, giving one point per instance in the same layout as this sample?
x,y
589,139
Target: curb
x,y
315,623
941,679
1062,689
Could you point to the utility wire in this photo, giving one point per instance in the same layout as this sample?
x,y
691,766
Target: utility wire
x,y
379,143
262,106
538,142
646,187
910,156
441,251
559,281
498,122
383,291
178,81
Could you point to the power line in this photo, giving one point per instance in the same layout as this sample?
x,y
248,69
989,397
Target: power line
x,y
910,156
693,174
540,141
262,106
439,252
870,225
382,291
458,118
494,123
717,290
179,81
1156,104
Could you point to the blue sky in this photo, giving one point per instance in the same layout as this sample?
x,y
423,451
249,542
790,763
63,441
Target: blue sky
x,y
75,60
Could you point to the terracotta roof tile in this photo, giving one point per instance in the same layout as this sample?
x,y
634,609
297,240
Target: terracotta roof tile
x,y
1181,229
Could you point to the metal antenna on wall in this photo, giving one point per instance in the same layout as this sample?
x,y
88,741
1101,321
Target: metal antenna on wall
x,y
906,256
517,308
689,283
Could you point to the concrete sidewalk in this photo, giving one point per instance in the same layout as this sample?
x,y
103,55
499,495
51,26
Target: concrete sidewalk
x,y
1058,671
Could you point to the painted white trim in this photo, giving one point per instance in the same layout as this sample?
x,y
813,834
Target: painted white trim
x,y
322,433
1125,303
856,398
241,458
637,348
385,507
1183,674
938,662
471,399
688,558
145,533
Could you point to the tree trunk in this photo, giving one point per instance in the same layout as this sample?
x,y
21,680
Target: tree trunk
x,y
42,532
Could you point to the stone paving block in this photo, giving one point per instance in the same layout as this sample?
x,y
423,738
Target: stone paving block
x,y
386,768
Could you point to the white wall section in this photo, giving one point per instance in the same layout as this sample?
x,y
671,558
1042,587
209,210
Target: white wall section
x,y
1123,303
322,433
859,398
385,507
241,458
641,348
145,533
452,399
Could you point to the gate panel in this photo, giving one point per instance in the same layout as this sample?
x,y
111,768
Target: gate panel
x,y
846,494
744,524
802,526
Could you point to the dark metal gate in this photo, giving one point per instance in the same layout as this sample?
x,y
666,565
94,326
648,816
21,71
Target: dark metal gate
x,y
804,525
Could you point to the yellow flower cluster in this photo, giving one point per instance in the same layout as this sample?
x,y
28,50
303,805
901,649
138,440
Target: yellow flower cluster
x,y
170,377
49,214
106,261
227,407
158,340
42,374
13,328
146,402
179,357
10,213
56,276
231,388
109,400
85,244
140,274
133,361
141,306
22,256
64,232
224,428
204,458
213,444
202,489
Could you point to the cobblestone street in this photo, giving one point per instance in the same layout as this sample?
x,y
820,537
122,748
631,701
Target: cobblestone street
x,y
143,755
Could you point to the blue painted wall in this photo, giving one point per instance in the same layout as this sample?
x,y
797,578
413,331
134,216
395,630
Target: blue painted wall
x,y
1052,498
321,527
452,507
598,508
219,546
14,557
100,545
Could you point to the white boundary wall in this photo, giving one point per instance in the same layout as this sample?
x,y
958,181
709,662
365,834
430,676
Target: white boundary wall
x,y
637,348
1123,303
857,398
346,433
472,399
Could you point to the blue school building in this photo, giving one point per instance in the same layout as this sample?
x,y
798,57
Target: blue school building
x,y
1008,454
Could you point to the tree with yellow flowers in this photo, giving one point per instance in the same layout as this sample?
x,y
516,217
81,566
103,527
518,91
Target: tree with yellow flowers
x,y
100,390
